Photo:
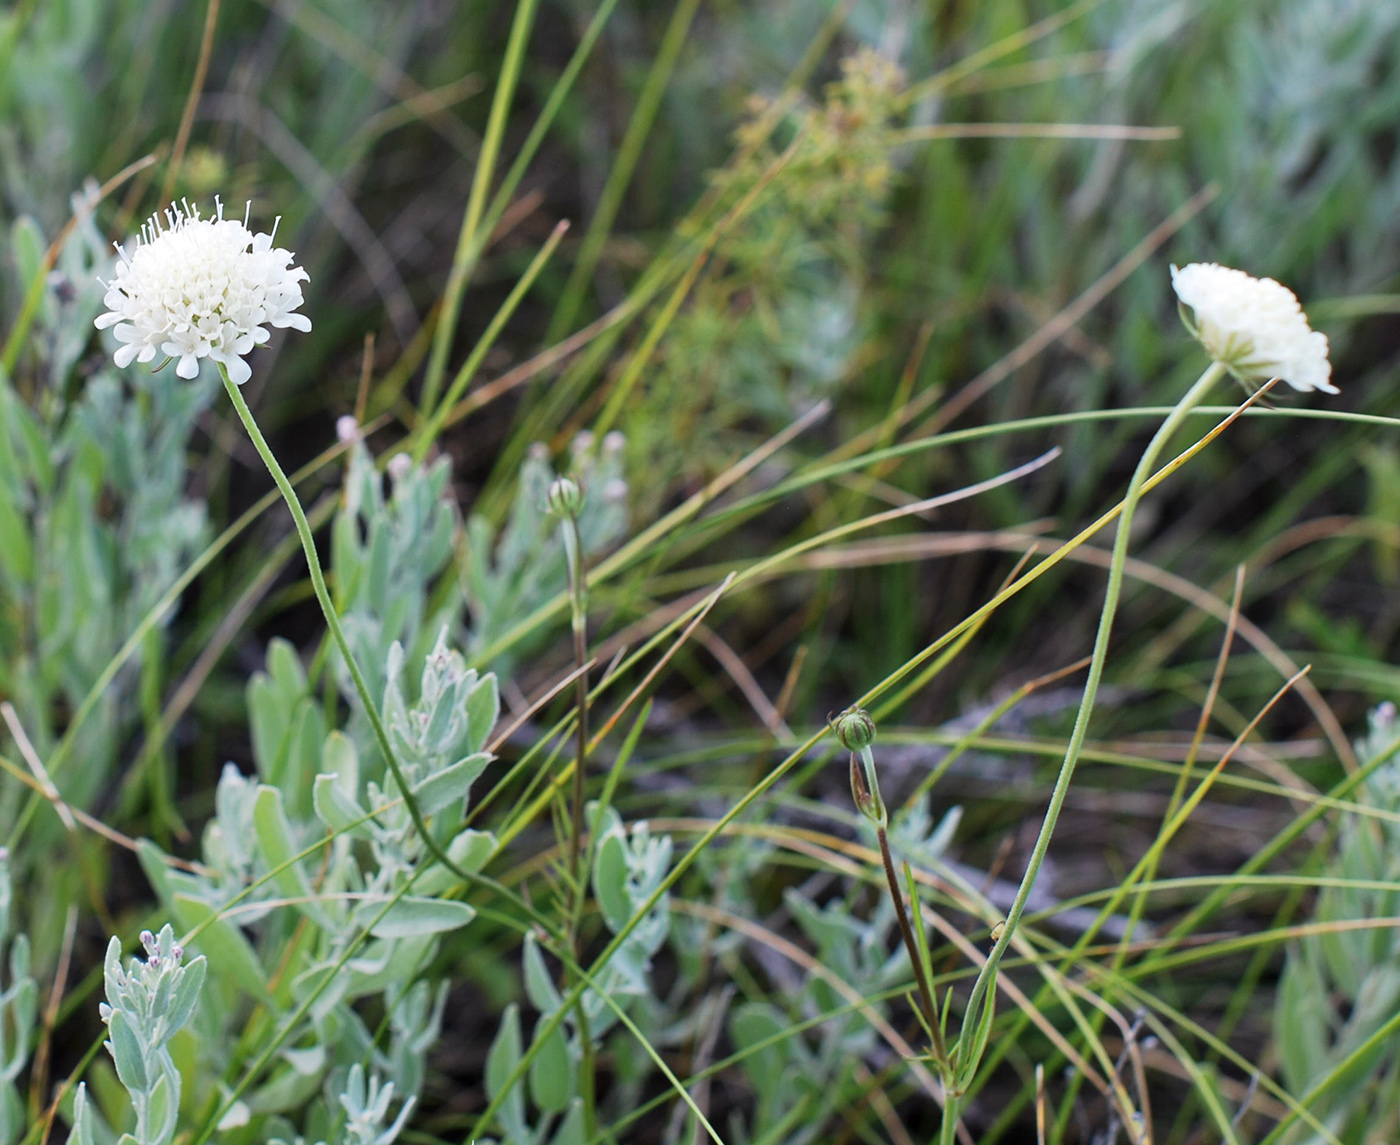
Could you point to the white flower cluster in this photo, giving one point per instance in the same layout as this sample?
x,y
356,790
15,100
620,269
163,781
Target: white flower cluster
x,y
201,288
1253,327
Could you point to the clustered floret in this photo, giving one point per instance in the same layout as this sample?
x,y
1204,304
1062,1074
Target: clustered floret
x,y
201,288
1253,327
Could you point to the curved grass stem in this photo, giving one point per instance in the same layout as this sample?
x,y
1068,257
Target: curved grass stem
x,y
977,1018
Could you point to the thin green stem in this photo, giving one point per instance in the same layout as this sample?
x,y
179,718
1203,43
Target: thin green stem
x,y
578,614
948,1130
323,597
578,609
970,1052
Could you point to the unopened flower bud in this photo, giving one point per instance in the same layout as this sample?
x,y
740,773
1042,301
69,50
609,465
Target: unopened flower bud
x,y
400,465
854,728
347,429
614,441
582,442
565,498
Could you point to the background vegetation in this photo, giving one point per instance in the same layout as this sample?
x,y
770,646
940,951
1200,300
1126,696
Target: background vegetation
x,y
825,260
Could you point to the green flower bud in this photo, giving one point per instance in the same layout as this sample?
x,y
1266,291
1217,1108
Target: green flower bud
x,y
565,498
854,728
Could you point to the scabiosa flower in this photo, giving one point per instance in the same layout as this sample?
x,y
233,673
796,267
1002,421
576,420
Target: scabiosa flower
x,y
1253,327
201,288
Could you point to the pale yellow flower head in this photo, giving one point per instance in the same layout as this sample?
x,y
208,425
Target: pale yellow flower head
x,y
1253,327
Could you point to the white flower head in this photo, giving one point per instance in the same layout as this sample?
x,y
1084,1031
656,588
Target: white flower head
x,y
1253,327
201,288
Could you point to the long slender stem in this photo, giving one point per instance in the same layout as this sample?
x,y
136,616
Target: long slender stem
x,y
906,930
323,597
578,608
973,1019
578,612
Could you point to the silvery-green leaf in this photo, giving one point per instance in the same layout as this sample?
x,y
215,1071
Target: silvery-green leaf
x,y
153,865
27,247
238,1115
337,810
483,709
275,845
750,1024
125,1046
113,976
16,552
163,1105
287,1091
306,1061
501,1061
230,953
610,881
391,962
305,747
186,995
12,1115
377,579
468,851
339,758
328,995
571,1130
82,1118
412,916
269,713
551,1072
539,987
471,848
451,783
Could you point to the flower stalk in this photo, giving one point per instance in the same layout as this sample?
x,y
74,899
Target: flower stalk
x,y
856,731
323,598
565,499
977,1020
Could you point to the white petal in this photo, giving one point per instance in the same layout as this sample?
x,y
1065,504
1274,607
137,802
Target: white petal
x,y
238,370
